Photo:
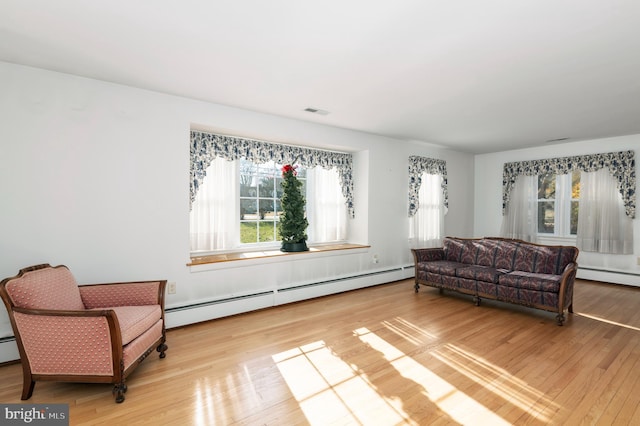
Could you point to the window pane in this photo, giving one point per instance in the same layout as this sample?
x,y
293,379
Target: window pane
x,y
248,210
575,184
260,205
266,208
574,217
248,232
267,188
547,187
267,231
546,217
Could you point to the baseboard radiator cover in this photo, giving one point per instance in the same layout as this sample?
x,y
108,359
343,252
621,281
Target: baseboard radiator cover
x,y
609,275
8,350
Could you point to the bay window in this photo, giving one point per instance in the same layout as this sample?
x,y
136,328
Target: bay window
x,y
236,192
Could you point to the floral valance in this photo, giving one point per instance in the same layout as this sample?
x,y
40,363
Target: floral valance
x,y
621,165
207,146
418,166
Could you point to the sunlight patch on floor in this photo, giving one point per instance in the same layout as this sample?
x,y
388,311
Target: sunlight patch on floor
x,y
204,413
408,331
497,380
454,403
593,317
330,390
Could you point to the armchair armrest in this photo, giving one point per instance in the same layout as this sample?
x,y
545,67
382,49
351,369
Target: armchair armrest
x,y
138,293
56,342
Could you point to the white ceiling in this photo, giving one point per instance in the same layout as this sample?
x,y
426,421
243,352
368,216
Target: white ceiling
x,y
476,76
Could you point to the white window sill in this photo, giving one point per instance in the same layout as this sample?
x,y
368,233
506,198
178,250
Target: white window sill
x,y
240,259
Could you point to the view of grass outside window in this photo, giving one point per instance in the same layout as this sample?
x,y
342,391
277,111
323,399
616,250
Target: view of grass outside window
x,y
260,207
558,203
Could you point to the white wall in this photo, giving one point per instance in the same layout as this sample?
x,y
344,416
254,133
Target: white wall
x,y
94,175
488,201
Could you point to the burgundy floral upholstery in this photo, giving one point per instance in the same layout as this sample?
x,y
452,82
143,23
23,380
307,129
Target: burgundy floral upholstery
x,y
95,333
503,269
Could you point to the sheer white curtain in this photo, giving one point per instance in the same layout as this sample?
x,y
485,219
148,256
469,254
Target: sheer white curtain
x,y
603,226
520,219
215,210
326,209
426,226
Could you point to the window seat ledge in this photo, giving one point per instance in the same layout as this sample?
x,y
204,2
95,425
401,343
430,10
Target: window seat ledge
x,y
232,259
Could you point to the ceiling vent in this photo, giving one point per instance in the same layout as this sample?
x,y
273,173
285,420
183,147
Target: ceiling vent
x,y
316,111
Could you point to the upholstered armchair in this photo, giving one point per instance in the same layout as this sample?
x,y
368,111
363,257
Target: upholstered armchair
x,y
91,333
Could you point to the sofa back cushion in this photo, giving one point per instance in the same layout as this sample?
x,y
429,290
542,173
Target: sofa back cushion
x,y
511,255
45,288
544,259
459,250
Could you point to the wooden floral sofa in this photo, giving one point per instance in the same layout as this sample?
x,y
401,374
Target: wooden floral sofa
x,y
92,333
507,270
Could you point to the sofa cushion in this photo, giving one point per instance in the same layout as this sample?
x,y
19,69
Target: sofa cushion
x,y
543,259
480,273
531,281
135,320
444,267
460,250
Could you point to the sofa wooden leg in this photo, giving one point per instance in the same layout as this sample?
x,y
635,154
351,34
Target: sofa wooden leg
x,y
560,319
416,287
476,300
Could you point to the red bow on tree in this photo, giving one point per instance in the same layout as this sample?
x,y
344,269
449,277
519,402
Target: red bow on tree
x,y
289,168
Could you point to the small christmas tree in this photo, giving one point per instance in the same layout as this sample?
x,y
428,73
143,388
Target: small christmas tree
x,y
293,223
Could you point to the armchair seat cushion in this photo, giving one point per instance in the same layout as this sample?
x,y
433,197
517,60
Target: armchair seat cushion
x,y
135,320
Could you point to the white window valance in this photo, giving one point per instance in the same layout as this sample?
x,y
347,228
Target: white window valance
x,y
417,166
207,146
621,165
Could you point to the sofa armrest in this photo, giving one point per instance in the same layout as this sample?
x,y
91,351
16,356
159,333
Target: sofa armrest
x,y
427,254
138,293
69,342
565,296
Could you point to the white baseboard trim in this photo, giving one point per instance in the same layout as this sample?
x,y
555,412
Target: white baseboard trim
x,y
609,276
9,350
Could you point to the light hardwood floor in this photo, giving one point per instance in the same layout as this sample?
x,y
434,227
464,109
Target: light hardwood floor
x,y
382,356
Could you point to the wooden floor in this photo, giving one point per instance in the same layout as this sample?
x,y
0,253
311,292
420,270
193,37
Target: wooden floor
x,y
382,356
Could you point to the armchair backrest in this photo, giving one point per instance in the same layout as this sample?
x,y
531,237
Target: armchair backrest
x,y
44,287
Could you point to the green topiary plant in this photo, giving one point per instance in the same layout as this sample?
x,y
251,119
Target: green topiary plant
x,y
293,223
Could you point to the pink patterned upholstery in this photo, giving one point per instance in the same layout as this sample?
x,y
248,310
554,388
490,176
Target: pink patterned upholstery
x,y
123,294
85,350
93,333
135,320
54,288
